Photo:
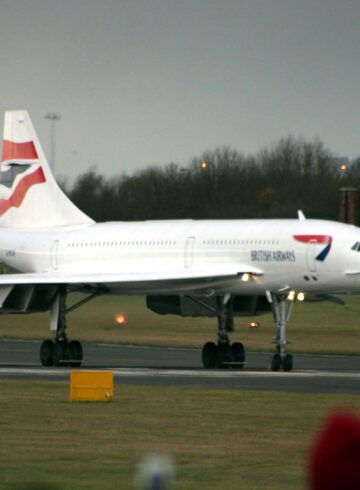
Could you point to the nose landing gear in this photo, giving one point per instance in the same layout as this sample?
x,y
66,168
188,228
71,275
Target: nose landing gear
x,y
282,308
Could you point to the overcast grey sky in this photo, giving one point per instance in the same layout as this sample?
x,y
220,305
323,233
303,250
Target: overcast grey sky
x,y
142,82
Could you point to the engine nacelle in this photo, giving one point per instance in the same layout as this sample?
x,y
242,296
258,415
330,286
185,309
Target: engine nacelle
x,y
187,306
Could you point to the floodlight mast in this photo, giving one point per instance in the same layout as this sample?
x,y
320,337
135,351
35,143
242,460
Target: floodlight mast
x,y
52,117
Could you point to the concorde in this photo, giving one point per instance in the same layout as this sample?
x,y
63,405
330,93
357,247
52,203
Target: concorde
x,y
215,268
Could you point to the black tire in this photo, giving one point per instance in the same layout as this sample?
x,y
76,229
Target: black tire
x,y
46,353
60,353
209,355
287,363
276,362
75,351
238,355
224,356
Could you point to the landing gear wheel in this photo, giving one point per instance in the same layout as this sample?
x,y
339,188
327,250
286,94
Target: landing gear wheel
x,y
287,362
276,362
224,356
238,355
60,353
209,355
75,353
46,353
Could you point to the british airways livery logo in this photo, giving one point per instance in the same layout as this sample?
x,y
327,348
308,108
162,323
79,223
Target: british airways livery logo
x,y
321,240
17,159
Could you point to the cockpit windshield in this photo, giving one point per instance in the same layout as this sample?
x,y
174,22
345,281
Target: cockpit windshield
x,y
356,247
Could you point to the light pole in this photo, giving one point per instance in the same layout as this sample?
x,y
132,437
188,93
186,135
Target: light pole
x,y
52,118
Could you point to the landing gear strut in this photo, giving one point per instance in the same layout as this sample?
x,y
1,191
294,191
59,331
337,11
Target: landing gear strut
x,y
60,352
282,308
223,354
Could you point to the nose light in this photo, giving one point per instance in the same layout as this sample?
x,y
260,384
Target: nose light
x,y
293,295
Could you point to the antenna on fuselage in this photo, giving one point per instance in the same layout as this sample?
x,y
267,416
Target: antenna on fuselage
x,y
301,215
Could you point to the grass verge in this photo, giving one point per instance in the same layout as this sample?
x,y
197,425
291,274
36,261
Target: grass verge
x,y
218,438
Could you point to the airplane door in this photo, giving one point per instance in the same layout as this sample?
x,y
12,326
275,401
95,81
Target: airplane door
x,y
54,254
189,251
310,255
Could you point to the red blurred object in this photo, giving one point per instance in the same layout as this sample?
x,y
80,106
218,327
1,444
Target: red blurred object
x,y
335,459
254,325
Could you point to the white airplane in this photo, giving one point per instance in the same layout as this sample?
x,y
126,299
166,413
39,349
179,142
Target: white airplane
x,y
219,268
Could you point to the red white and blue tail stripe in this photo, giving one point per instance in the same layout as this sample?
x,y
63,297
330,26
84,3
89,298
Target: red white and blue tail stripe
x,y
29,195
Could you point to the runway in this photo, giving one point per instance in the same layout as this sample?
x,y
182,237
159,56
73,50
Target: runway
x,y
182,367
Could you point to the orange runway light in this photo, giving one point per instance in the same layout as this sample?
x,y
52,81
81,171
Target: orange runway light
x,y
121,319
254,325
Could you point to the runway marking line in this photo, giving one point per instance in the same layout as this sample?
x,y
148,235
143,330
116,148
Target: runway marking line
x,y
185,373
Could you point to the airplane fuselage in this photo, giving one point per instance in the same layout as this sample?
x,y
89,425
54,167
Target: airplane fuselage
x,y
288,253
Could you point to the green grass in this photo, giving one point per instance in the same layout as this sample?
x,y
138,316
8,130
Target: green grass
x,y
218,438
315,327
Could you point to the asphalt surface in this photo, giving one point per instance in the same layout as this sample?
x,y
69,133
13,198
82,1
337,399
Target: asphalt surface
x,y
182,367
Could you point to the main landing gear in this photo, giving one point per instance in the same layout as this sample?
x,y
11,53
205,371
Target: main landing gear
x,y
60,352
282,308
223,354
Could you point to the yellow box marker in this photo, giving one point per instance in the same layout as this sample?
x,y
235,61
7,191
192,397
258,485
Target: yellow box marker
x,y
89,386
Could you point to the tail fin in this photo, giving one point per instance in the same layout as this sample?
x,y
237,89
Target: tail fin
x,y
29,194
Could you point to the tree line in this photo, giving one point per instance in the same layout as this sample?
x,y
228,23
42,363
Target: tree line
x,y
223,184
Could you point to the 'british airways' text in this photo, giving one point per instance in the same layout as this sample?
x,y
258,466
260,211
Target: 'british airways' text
x,y
273,256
